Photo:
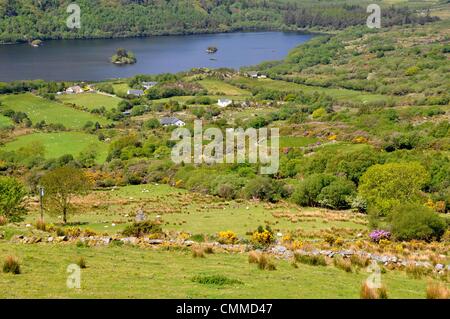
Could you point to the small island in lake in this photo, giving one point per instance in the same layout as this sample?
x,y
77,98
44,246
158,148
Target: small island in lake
x,y
123,56
212,50
36,43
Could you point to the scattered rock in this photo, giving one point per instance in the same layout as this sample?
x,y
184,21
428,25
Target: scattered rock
x,y
155,241
140,216
439,267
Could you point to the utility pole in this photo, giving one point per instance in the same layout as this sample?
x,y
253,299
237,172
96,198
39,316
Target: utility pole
x,y
41,198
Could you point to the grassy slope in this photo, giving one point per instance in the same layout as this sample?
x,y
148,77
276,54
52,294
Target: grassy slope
x,y
215,86
91,101
5,122
58,144
39,109
128,272
338,94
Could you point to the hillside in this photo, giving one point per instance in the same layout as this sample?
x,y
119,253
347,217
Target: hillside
x,y
26,20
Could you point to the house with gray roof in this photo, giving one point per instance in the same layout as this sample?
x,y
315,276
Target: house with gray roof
x,y
169,121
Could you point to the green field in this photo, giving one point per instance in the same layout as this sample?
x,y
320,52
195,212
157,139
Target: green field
x,y
58,144
91,100
296,141
121,88
39,109
339,94
129,272
216,86
181,210
5,122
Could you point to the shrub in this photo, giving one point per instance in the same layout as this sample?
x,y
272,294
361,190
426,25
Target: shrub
x,y
417,222
335,195
263,236
389,185
309,190
228,237
81,262
139,229
41,225
60,231
373,293
3,220
11,265
313,260
263,188
216,280
12,195
379,234
437,291
73,232
342,263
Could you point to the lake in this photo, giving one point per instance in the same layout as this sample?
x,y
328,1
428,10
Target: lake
x,y
76,60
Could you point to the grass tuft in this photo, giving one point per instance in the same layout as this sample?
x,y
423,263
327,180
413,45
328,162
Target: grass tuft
x,y
215,280
373,293
342,263
313,260
11,265
81,262
437,291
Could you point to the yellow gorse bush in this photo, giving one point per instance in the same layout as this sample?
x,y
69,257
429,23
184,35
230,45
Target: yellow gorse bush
x,y
227,237
264,238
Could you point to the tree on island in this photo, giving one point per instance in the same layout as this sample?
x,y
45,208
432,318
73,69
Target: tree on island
x,y
212,50
123,56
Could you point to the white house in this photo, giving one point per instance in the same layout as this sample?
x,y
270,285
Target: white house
x,y
74,90
253,74
224,102
169,121
135,92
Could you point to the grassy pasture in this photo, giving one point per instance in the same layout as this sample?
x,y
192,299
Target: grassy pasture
x,y
5,121
216,86
339,94
296,141
121,88
58,144
129,272
198,214
91,100
39,109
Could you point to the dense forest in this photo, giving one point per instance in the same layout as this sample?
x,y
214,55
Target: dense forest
x,y
26,20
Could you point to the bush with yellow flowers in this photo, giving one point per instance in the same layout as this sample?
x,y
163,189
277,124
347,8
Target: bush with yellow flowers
x,y
263,236
227,237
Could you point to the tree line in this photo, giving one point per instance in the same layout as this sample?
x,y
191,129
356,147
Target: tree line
x,y
25,20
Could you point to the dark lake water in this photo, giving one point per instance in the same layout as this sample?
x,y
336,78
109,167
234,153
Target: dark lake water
x,y
89,59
